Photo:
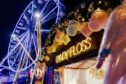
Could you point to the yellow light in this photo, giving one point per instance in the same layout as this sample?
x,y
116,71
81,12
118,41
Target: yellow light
x,y
47,58
79,48
66,39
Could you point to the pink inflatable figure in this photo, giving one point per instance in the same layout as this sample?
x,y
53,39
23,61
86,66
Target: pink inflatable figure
x,y
114,45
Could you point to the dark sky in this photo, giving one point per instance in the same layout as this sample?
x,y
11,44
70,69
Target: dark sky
x,y
10,11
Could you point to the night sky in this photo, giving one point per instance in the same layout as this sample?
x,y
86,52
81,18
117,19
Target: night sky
x,y
10,11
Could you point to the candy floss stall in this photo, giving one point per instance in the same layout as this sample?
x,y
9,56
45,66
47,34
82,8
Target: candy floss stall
x,y
77,66
83,72
75,63
72,47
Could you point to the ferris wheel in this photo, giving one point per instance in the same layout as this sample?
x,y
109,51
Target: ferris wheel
x,y
25,31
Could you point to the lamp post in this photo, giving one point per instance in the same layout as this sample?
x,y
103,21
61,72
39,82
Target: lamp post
x,y
38,34
38,28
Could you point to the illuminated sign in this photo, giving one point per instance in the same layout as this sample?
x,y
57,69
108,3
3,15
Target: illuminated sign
x,y
81,47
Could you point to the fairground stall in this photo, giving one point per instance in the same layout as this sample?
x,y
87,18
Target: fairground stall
x,y
49,46
72,46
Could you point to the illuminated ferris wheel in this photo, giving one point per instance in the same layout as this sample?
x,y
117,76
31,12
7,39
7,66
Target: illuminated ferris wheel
x,y
23,42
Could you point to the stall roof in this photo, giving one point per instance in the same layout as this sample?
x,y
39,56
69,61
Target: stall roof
x,y
85,64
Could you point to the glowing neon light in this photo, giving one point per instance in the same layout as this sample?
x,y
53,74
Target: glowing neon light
x,y
25,49
73,51
37,15
48,14
44,7
44,30
25,38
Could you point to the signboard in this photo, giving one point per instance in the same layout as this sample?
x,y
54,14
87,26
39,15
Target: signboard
x,y
83,46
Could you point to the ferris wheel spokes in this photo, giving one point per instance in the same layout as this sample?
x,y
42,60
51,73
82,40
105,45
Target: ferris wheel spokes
x,y
10,52
25,50
25,44
44,7
48,13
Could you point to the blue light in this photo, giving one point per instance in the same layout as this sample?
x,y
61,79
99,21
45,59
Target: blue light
x,y
48,11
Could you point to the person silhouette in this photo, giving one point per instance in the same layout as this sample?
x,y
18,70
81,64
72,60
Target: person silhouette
x,y
114,45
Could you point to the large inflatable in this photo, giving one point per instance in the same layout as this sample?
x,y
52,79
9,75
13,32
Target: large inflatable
x,y
114,45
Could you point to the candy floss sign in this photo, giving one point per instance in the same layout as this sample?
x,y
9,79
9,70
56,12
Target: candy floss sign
x,y
84,46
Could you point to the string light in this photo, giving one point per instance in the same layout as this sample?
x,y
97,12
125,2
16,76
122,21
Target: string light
x,y
82,13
